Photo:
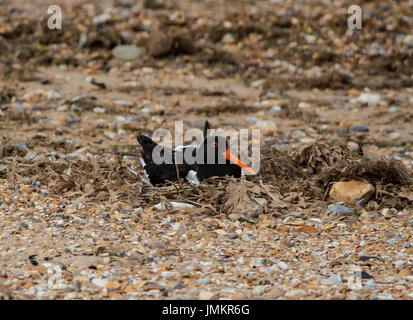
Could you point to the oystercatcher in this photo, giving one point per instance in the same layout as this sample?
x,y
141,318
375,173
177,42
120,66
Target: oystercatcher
x,y
159,173
211,158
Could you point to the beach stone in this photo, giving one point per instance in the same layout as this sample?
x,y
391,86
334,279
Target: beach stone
x,y
275,293
335,279
351,191
228,38
152,286
343,130
19,107
339,209
282,265
399,264
266,125
126,52
206,295
408,40
394,135
368,98
360,128
100,282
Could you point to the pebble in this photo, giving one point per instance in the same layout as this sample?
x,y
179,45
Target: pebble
x,y
368,98
102,18
282,265
352,191
388,213
124,103
394,136
298,134
175,206
258,83
339,209
399,264
22,146
360,128
206,295
266,125
295,293
204,281
19,107
261,201
99,110
126,52
335,279
228,38
408,40
275,109
304,105
100,282
258,290
343,130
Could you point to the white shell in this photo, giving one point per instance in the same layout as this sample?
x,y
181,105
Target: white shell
x,y
192,178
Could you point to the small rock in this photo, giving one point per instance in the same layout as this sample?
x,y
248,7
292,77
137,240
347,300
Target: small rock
x,y
102,18
22,146
335,279
282,265
258,290
261,201
258,83
399,264
340,210
275,293
175,205
123,103
266,125
275,109
234,216
100,282
360,128
204,281
19,107
206,295
304,105
298,134
352,191
295,293
362,275
228,38
394,136
110,135
126,52
388,213
343,130
368,98
99,110
152,286
408,40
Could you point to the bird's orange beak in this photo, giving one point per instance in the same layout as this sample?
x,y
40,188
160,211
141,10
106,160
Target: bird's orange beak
x,y
233,159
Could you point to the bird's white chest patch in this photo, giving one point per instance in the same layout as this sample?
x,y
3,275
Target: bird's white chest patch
x,y
144,171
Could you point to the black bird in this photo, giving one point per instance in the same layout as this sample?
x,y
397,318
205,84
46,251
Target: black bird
x,y
224,162
160,172
211,158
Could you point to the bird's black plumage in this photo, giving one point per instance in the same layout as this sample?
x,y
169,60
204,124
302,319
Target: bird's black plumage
x,y
211,158
160,172
221,166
